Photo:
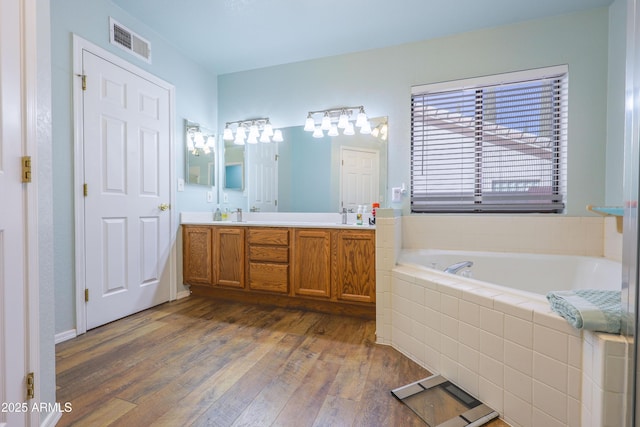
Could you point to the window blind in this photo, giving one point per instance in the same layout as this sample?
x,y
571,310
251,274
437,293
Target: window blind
x,y
493,147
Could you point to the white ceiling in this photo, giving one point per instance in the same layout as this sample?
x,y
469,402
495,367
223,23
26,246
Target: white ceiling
x,y
226,36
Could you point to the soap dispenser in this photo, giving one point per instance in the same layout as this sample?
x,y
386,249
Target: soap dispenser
x,y
217,215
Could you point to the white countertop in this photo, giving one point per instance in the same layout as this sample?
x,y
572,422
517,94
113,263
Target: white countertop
x,y
279,219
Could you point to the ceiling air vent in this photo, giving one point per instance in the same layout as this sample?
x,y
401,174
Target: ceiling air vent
x,y
126,39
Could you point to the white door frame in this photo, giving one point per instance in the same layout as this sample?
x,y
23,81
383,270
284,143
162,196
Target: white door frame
x,y
79,44
27,103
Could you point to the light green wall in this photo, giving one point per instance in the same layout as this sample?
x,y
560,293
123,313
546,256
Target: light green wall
x,y
196,99
46,379
381,80
615,102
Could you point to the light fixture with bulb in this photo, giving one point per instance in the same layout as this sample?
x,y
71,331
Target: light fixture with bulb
x,y
337,118
251,131
198,139
380,131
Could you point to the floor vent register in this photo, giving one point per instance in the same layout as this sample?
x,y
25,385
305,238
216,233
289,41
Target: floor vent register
x,y
440,403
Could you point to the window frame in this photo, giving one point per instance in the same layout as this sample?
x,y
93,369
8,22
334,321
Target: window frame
x,y
541,199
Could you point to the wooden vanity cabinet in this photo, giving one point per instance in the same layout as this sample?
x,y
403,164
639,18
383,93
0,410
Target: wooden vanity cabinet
x,y
268,259
312,262
197,261
228,256
324,269
355,266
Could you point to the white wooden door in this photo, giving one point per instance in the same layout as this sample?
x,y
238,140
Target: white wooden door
x,y
126,170
359,177
13,326
263,176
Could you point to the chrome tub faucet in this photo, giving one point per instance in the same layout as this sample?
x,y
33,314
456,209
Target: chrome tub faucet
x,y
455,268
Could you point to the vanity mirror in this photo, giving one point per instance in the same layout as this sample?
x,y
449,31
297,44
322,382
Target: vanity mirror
x,y
314,174
200,156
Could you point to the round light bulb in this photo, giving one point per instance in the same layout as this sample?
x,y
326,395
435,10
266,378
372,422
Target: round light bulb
x,y
343,120
349,130
317,133
240,133
277,136
309,124
198,138
326,122
253,132
268,129
361,119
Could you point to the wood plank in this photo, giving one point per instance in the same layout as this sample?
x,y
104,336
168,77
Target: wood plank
x,y
203,361
337,411
109,412
304,405
268,403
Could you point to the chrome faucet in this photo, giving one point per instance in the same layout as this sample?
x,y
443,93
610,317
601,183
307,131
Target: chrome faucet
x,y
344,215
454,268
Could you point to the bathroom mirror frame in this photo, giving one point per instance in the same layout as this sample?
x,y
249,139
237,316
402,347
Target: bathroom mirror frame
x,y
200,163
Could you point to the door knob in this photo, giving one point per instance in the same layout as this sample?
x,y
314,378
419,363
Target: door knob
x,y
163,207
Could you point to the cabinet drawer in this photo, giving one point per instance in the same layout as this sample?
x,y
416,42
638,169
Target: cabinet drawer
x,y
269,253
269,277
269,236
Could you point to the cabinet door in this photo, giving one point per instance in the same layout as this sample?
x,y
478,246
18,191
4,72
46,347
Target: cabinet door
x,y
356,267
196,251
312,262
229,257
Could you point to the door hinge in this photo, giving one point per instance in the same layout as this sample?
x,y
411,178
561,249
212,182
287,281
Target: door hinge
x,y
84,80
31,385
277,157
85,190
276,202
86,295
26,168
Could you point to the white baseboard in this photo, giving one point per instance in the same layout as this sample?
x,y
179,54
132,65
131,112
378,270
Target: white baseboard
x,y
66,335
51,420
182,294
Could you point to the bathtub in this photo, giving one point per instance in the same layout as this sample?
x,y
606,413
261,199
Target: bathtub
x,y
533,275
494,334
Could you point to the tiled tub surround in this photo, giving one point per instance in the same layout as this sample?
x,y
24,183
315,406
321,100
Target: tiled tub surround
x,y
510,351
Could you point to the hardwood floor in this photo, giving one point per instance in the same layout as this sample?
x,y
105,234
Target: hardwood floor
x,y
200,361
